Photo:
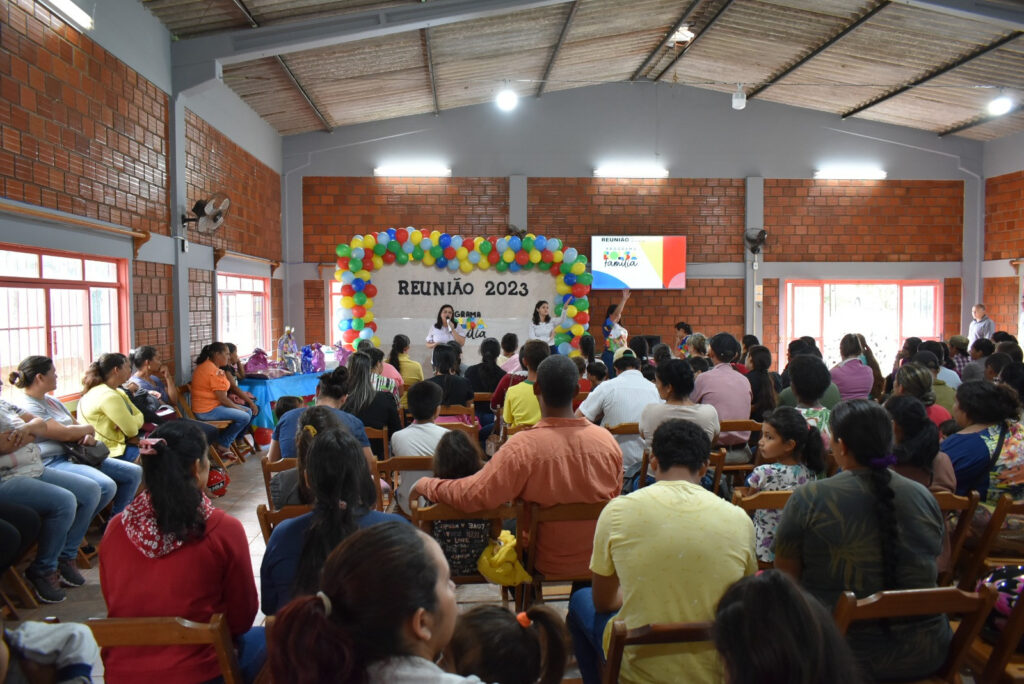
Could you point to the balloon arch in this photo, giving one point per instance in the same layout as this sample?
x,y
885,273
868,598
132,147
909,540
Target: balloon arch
x,y
364,254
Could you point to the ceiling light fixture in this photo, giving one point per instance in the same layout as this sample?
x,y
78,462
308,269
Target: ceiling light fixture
x,y
739,98
71,12
507,100
683,35
631,170
421,169
850,172
1000,105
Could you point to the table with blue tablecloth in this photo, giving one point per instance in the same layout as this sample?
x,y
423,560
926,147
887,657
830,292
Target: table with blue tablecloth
x,y
267,391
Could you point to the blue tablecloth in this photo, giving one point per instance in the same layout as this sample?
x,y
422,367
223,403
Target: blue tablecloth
x,y
267,391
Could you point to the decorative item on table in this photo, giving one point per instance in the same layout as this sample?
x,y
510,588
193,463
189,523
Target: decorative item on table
x,y
257,363
306,361
341,354
278,369
319,362
286,344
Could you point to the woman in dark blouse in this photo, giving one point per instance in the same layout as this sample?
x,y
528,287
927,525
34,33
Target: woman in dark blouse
x,y
484,377
376,409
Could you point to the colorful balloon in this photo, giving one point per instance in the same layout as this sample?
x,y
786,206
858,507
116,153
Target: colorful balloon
x,y
402,258
514,243
402,235
445,240
456,241
370,289
343,250
416,237
359,298
358,311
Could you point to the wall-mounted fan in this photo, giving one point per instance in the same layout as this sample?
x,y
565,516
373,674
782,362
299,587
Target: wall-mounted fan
x,y
755,239
209,213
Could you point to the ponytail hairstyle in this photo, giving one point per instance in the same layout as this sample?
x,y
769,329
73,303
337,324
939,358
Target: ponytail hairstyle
x,y
878,385
445,365
588,348
677,375
916,380
536,313
640,347
399,345
490,373
342,492
457,456
28,370
176,495
790,424
313,421
759,360
98,371
207,352
920,443
374,581
361,392
866,432
850,346
497,646
334,384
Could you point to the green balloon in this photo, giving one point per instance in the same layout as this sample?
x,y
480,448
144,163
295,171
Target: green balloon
x,y
527,244
357,324
501,266
394,247
359,298
558,309
559,338
436,251
585,278
343,250
417,253
486,247
379,249
566,267
581,259
355,265
528,265
581,304
402,258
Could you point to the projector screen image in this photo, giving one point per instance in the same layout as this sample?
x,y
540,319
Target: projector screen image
x,y
639,262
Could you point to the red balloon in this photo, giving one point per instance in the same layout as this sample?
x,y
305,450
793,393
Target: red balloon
x,y
347,291
547,256
582,317
388,258
579,290
555,269
575,342
449,253
401,235
367,264
372,325
343,263
522,257
350,335
370,290
493,256
358,311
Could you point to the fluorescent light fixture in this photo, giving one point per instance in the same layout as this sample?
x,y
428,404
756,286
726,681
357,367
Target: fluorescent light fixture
x,y
631,170
507,100
739,98
850,172
1000,105
683,35
72,12
413,168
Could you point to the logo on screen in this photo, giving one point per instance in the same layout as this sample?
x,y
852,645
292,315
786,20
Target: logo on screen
x,y
619,260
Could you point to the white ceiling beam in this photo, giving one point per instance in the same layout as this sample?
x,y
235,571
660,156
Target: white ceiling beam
x,y
999,13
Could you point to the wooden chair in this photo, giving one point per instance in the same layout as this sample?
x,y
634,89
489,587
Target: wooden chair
x,y
974,607
382,435
624,429
387,469
171,631
668,633
271,519
716,463
771,501
739,471
185,409
964,506
458,410
462,427
527,594
482,396
980,560
580,398
509,431
269,468
1000,663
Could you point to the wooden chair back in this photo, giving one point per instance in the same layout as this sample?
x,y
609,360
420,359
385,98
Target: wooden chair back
x,y
739,426
425,517
269,468
771,501
974,608
462,427
509,431
964,506
624,429
457,410
387,469
976,566
668,633
382,435
270,519
580,398
1000,662
171,631
716,461
482,396
184,408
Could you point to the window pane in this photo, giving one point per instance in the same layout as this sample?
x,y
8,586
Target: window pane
x,y
19,264
241,319
234,283
61,268
70,351
100,272
919,312
22,329
103,309
222,282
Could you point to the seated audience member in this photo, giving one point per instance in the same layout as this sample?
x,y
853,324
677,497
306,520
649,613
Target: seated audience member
x,y
746,342
945,395
462,541
375,408
419,438
170,553
729,392
508,361
588,349
853,378
234,370
42,652
460,366
581,368
805,645
210,401
808,380
911,345
1002,336
563,459
946,374
764,384
793,349
383,368
916,380
622,400
866,530
289,487
640,350
343,499
117,479
19,530
994,365
502,648
981,349
1013,376
152,375
636,568
284,405
384,611
484,377
106,407
661,353
521,406
455,389
510,380
682,334
916,445
697,346
596,374
1011,349
699,364
674,383
958,347
827,398
411,371
985,411
793,456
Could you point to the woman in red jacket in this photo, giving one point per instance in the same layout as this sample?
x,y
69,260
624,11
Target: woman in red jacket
x,y
170,553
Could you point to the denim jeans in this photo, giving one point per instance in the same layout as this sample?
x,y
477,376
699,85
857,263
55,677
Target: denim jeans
x,y
118,479
239,418
586,626
130,455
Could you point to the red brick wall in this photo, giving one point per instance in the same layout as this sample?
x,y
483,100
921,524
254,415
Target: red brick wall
x,y
952,290
770,320
201,327
810,220
153,303
81,132
1000,299
336,208
277,321
315,300
709,211
1004,216
213,163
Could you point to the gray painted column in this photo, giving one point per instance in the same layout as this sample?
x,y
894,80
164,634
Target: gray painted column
x,y
178,201
517,202
973,244
753,304
292,246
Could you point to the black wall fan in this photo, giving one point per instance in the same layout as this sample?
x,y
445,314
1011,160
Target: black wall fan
x,y
209,213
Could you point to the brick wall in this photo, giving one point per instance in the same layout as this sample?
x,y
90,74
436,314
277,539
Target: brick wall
x,y
952,290
201,326
213,163
810,220
277,321
1000,299
1004,216
153,303
336,208
314,300
770,320
81,132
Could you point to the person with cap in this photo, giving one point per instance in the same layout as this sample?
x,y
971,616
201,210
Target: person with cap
x,y
982,327
622,400
945,396
729,392
958,346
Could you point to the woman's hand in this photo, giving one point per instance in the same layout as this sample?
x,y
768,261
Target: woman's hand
x,y
154,393
88,440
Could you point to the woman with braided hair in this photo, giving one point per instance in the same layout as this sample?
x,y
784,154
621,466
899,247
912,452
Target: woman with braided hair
x,y
865,530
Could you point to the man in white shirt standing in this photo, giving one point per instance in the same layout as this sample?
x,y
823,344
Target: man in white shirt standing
x,y
621,400
982,325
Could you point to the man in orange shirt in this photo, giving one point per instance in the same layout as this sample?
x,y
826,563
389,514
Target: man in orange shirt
x,y
562,459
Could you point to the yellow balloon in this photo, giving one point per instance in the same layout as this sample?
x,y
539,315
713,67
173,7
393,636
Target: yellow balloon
x,y
484,264
534,256
576,330
347,302
337,274
357,241
560,279
368,305
368,316
578,268
557,256
571,312
475,243
378,262
428,259
560,329
416,237
575,352
466,267
369,241
461,253
364,275
562,288
435,235
531,236
375,340
509,256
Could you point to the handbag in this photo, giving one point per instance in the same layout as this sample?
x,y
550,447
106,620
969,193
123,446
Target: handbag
x,y
499,563
86,454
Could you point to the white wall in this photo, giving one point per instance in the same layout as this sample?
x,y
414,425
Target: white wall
x,y
1005,155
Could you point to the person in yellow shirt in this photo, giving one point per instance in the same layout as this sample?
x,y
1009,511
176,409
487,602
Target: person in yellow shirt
x,y
652,562
521,405
411,371
108,409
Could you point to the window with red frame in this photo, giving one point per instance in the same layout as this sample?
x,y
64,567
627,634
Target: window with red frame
x,y
69,307
243,311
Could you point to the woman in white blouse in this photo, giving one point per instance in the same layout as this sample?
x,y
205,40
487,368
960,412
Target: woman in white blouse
x,y
543,328
445,329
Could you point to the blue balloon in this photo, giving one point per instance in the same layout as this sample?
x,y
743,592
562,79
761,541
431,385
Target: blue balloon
x,y
391,233
514,243
502,245
445,240
344,324
564,348
570,255
366,333
474,257
453,265
539,243
586,326
567,299
347,277
513,267
358,284
383,237
426,244
408,247
456,241
441,263
570,278
358,253
347,314
554,244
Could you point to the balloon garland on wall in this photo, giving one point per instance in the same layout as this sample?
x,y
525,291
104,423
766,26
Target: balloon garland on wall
x,y
364,254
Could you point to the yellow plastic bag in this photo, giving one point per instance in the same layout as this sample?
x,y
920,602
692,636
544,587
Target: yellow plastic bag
x,y
499,564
